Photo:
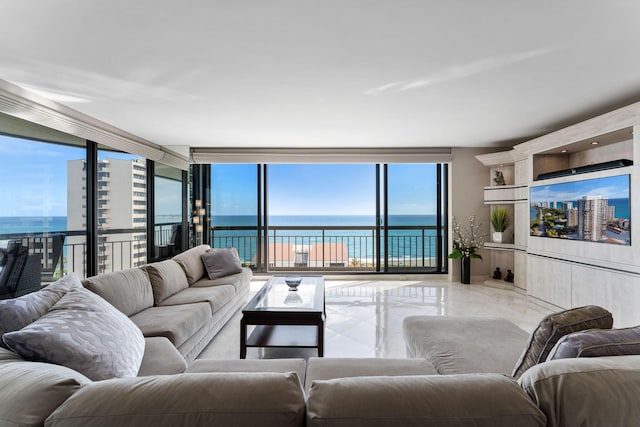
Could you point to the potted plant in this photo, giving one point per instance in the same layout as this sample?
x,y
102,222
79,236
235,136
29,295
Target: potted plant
x,y
466,243
500,220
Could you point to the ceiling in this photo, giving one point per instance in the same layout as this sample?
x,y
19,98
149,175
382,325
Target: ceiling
x,y
330,73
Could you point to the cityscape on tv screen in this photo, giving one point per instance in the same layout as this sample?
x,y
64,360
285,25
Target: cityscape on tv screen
x,y
596,210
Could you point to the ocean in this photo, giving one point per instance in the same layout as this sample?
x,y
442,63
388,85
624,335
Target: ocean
x,y
403,243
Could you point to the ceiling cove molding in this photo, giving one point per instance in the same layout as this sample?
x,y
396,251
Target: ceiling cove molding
x,y
320,155
18,102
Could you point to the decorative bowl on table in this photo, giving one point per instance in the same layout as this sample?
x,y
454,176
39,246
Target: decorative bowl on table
x,y
293,282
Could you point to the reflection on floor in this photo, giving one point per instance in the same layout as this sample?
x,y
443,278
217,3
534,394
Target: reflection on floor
x,y
364,318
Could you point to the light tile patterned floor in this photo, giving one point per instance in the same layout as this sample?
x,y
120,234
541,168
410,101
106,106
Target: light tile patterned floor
x,y
364,317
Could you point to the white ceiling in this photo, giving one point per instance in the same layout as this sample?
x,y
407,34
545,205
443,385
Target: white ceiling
x,y
327,73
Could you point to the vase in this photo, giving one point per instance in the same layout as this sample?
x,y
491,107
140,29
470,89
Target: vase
x,y
497,236
465,270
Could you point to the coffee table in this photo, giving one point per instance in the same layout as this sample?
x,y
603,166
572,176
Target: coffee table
x,y
284,318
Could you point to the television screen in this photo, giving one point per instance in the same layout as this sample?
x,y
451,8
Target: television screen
x,y
595,210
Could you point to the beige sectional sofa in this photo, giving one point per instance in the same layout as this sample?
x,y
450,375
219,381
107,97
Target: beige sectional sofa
x,y
174,300
457,376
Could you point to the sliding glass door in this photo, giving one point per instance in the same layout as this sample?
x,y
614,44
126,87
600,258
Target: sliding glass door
x,y
332,217
411,220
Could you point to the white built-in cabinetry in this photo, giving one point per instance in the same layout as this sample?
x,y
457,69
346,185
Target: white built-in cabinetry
x,y
569,273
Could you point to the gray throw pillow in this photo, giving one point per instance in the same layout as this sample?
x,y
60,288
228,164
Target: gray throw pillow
x,y
221,262
555,326
18,312
597,343
85,333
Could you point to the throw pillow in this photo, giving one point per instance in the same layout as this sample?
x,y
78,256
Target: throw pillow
x,y
555,326
221,262
598,342
18,312
85,333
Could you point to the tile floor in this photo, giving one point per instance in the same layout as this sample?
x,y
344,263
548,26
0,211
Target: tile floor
x,y
364,317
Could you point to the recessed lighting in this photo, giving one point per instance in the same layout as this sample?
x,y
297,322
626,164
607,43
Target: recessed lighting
x,y
564,151
595,143
502,165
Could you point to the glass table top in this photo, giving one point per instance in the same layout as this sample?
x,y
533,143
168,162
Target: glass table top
x,y
276,295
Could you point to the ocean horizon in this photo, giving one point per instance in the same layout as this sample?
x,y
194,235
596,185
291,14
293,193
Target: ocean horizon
x,y
407,243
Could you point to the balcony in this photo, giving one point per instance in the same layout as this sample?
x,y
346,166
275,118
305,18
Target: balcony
x,y
335,248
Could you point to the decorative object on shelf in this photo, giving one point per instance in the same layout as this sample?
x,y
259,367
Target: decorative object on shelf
x,y
500,220
499,178
466,242
509,277
293,282
497,274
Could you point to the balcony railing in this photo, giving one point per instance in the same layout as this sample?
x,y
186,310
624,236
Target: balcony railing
x,y
290,248
334,248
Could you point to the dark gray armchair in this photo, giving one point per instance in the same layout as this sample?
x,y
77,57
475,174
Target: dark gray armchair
x,y
20,271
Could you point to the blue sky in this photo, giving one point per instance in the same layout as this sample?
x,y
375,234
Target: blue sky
x,y
614,187
328,189
34,177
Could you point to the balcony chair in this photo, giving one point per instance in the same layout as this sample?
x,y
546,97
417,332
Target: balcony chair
x,y
19,271
48,249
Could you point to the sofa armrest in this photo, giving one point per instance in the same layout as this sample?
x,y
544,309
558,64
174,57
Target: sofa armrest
x,y
264,399
586,391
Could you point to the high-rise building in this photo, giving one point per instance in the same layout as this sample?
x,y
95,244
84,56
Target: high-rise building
x,y
572,217
592,217
122,205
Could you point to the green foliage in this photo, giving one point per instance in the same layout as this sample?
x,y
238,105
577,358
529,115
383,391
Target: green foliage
x,y
500,219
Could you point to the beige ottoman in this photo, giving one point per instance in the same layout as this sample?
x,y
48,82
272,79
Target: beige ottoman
x,y
465,345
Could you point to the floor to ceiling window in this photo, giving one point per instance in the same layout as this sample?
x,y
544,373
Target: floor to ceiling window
x,y
122,211
322,216
234,209
168,210
332,217
42,208
412,238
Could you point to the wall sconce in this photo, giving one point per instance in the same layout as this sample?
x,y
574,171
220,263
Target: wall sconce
x,y
197,220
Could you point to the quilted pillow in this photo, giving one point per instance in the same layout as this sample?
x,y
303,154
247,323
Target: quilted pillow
x,y
598,342
221,262
19,312
85,333
555,326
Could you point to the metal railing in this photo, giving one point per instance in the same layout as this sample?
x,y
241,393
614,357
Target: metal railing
x,y
334,248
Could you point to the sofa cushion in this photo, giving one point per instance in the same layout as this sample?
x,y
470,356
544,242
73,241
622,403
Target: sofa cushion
x,y
167,278
127,290
19,312
85,333
161,358
235,399
464,344
31,391
221,262
435,400
217,297
238,280
555,326
320,368
590,391
191,263
598,342
177,323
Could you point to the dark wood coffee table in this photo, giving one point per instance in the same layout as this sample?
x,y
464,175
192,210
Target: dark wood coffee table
x,y
284,318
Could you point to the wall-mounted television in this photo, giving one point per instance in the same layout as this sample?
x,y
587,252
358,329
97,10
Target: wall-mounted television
x,y
594,210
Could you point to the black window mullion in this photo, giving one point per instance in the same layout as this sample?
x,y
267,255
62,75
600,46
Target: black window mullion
x,y
92,210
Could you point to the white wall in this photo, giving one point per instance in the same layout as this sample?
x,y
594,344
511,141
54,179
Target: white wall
x,y
467,178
